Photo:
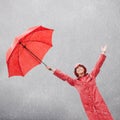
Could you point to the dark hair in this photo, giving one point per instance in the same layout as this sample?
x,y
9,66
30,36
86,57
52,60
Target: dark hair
x,y
79,65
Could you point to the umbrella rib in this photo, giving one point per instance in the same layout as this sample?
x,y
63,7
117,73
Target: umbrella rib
x,y
40,42
19,64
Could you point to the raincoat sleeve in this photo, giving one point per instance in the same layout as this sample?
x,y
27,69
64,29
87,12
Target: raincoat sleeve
x,y
98,65
64,77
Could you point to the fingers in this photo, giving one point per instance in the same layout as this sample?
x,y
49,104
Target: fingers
x,y
104,48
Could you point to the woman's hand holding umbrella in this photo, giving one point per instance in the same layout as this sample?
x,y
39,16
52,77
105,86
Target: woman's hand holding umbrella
x,y
49,68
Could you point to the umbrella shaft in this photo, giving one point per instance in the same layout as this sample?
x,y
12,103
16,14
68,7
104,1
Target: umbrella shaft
x,y
37,58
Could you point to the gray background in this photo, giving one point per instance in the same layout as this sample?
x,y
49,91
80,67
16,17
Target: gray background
x,y
81,28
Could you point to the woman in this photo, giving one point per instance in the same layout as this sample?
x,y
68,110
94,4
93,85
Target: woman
x,y
93,103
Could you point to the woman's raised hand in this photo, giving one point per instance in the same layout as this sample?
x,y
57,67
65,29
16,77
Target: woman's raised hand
x,y
103,49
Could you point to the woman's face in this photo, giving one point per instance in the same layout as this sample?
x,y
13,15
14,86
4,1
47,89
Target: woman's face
x,y
80,71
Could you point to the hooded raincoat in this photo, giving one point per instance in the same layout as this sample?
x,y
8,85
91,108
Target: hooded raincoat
x,y
93,102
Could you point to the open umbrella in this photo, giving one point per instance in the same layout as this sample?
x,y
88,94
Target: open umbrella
x,y
28,50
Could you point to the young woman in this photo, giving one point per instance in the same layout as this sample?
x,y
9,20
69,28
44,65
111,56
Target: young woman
x,y
85,83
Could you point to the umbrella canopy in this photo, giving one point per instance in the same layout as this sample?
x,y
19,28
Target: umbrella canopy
x,y
28,50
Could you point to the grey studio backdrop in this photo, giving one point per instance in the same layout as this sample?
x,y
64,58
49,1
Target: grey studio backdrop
x,y
81,27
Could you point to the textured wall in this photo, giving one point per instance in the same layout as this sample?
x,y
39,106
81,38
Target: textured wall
x,y
81,27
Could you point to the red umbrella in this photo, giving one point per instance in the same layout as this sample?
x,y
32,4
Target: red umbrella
x,y
28,50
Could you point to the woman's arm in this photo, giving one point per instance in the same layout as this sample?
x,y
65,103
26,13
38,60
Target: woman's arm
x,y
62,76
100,62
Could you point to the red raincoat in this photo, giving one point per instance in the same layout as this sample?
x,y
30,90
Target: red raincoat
x,y
91,98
